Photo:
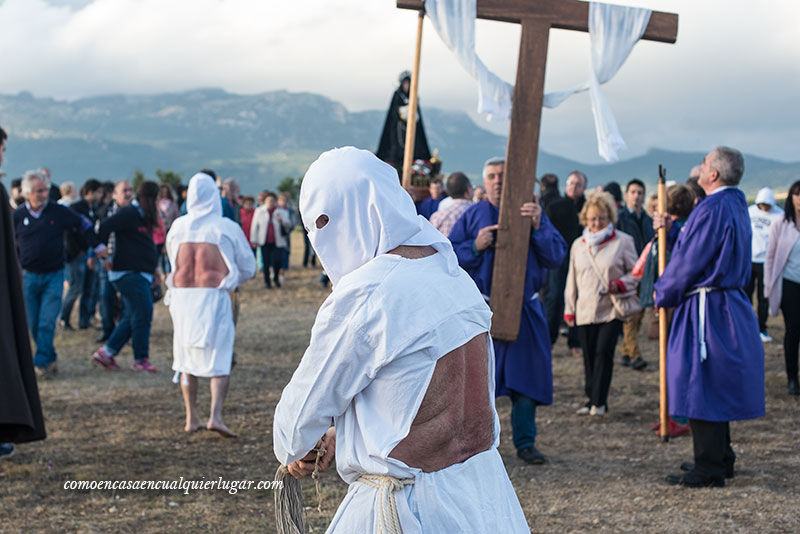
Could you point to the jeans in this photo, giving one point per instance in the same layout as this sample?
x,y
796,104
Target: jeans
x,y
137,315
523,420
88,303
42,293
75,271
107,296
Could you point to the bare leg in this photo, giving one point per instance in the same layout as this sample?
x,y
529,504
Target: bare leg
x,y
219,388
189,389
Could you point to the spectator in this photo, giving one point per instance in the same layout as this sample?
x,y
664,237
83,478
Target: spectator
x,y
651,206
39,226
268,232
246,216
132,275
168,210
107,295
180,197
69,194
428,207
16,198
563,212
230,195
80,276
599,273
309,256
283,203
636,223
762,214
615,191
548,190
782,280
460,190
478,194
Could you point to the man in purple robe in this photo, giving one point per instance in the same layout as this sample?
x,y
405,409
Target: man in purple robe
x,y
715,359
523,369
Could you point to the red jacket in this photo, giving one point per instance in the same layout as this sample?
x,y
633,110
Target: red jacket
x,y
247,220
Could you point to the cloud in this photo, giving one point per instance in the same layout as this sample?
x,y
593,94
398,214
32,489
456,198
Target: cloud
x,y
731,75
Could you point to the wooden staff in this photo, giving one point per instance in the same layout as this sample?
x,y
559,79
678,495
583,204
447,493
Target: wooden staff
x,y
411,122
662,312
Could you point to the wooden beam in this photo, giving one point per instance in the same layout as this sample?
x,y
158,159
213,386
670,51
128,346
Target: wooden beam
x,y
564,14
514,231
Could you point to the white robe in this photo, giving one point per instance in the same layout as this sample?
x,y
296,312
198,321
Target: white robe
x,y
373,350
202,317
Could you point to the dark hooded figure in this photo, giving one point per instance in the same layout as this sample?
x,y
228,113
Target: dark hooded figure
x,y
393,139
20,410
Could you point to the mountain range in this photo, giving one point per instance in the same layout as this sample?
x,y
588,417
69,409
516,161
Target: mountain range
x,y
261,139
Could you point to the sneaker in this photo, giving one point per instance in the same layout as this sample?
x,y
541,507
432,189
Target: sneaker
x,y
143,365
6,450
103,358
638,364
597,410
626,361
584,410
766,338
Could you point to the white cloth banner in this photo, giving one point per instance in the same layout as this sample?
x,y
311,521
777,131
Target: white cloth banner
x,y
613,31
454,21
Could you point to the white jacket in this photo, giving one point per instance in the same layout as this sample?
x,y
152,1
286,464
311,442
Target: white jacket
x,y
261,218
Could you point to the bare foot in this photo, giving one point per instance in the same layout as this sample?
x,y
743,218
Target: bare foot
x,y
194,427
222,430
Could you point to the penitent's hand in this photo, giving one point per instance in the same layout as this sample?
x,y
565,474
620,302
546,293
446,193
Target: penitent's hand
x,y
305,466
485,237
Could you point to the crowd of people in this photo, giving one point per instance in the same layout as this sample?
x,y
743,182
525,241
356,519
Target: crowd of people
x,y
590,275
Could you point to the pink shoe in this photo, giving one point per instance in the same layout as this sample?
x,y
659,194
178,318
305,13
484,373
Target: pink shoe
x,y
143,365
103,358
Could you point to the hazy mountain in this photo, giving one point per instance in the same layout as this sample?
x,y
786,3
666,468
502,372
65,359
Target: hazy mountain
x,y
260,139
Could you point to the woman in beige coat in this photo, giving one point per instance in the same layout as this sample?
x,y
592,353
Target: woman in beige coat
x,y
600,292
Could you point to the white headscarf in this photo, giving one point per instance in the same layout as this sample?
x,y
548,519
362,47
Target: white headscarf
x,y
202,200
369,212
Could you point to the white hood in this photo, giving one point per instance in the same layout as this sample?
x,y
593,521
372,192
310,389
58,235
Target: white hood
x,y
369,212
766,196
202,200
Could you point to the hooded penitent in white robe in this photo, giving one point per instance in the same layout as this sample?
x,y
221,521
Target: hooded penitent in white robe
x,y
202,317
373,350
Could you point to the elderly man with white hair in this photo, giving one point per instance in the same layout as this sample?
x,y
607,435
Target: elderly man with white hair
x,y
400,359
39,225
211,257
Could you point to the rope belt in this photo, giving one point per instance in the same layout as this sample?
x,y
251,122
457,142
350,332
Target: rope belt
x,y
388,520
701,316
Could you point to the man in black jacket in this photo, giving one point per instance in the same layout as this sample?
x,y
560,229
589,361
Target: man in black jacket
x,y
634,221
80,277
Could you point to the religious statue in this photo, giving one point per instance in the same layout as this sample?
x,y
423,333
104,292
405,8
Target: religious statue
x,y
393,138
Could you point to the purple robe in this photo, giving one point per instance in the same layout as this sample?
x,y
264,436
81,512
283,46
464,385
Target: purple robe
x,y
524,366
428,207
713,250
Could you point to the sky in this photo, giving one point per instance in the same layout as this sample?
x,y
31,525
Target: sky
x,y
732,78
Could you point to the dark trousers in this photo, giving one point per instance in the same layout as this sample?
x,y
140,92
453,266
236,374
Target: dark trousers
x,y
523,420
309,256
712,447
75,272
790,306
88,303
271,256
757,283
107,296
553,302
598,342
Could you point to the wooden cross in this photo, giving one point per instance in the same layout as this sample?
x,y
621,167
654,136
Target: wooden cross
x,y
536,18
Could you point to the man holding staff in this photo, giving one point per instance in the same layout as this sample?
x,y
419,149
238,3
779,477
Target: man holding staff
x,y
401,359
715,358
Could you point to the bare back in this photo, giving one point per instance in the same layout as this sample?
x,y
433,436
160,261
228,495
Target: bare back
x,y
455,420
199,265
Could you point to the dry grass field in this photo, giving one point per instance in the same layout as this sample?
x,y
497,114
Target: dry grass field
x,y
605,474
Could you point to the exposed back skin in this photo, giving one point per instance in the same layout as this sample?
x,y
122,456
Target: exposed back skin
x,y
455,420
199,265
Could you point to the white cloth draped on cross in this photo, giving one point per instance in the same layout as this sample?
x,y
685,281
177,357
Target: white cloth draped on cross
x,y
613,31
